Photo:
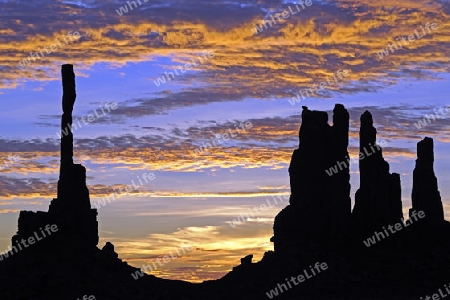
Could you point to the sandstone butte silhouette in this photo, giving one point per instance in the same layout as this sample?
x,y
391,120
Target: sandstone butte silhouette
x,y
318,225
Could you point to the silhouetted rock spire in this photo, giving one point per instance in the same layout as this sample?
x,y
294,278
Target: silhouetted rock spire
x,y
68,101
339,189
71,210
425,193
378,200
320,205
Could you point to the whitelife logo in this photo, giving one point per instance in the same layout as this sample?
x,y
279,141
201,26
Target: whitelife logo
x,y
166,259
437,296
244,125
119,192
411,38
443,111
184,68
31,240
301,278
257,210
11,159
35,55
318,87
86,297
334,170
398,226
90,118
285,14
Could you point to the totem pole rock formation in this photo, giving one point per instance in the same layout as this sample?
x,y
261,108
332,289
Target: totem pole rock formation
x,y
320,205
425,193
378,200
71,210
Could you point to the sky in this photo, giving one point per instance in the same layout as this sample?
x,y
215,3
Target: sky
x,y
176,75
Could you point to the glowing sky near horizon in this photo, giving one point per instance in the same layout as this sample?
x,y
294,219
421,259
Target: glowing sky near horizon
x,y
249,78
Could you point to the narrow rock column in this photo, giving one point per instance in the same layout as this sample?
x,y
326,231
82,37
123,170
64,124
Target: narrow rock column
x,y
425,193
378,200
71,211
339,210
68,101
72,208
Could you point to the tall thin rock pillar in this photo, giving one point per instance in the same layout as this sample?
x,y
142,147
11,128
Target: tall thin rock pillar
x,y
425,193
71,211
